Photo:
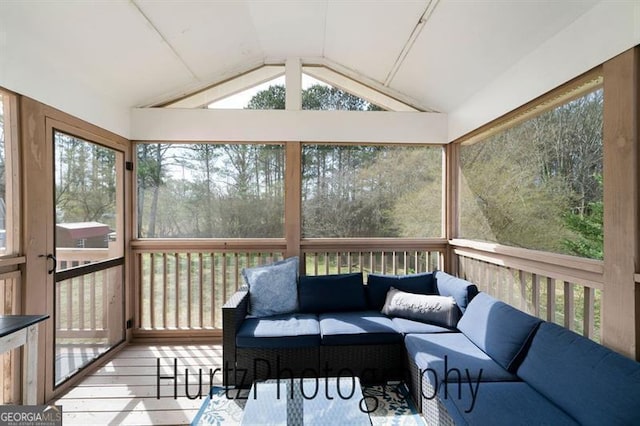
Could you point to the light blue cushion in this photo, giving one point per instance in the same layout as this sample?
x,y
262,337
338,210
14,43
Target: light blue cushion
x,y
592,383
379,285
273,288
500,330
407,326
461,290
501,404
430,350
279,331
357,328
332,293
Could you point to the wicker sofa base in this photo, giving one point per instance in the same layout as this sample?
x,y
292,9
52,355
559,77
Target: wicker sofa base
x,y
268,363
425,397
371,363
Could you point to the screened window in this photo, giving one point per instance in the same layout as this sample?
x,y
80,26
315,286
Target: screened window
x,y
371,191
538,184
269,95
210,190
317,95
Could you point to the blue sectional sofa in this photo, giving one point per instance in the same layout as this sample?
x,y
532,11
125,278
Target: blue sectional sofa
x,y
506,367
496,365
336,329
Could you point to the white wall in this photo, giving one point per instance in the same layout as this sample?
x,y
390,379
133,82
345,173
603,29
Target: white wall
x,y
26,75
164,124
606,30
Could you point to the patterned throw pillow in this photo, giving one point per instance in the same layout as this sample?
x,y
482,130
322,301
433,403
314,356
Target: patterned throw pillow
x,y
439,310
273,288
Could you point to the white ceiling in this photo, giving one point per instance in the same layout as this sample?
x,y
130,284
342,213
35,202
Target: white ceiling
x,y
141,52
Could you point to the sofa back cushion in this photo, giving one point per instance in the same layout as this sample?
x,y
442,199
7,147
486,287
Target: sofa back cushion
x,y
500,330
379,285
593,384
332,293
461,290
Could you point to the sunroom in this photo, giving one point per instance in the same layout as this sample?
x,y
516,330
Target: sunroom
x,y
152,150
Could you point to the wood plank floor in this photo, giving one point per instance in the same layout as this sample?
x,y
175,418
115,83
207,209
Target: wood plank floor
x,y
124,391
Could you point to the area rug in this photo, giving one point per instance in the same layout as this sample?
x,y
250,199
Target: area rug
x,y
390,405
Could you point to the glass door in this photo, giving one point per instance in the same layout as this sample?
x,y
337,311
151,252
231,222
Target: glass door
x,y
88,261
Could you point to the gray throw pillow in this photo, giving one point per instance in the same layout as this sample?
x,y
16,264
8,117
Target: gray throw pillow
x,y
439,310
273,288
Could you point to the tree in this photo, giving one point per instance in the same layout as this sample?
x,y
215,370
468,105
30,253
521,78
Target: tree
x,y
588,226
522,186
316,97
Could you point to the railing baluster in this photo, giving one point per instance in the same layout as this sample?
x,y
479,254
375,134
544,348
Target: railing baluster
x,y
213,290
535,294
315,263
58,310
568,306
326,263
177,289
551,300
201,290
189,284
70,304
384,262
587,329
105,299
236,270
224,277
81,303
92,302
164,290
523,290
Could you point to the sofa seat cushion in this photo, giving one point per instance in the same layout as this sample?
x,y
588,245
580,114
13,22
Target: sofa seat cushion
x,y
500,403
444,352
594,384
357,328
407,326
500,330
379,285
279,331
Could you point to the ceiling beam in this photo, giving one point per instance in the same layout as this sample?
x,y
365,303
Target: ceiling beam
x,y
164,39
410,41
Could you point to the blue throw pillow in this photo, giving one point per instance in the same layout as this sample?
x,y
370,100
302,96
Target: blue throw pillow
x,y
379,285
332,293
273,288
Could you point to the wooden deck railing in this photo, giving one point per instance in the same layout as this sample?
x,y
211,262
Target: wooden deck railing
x,y
563,289
81,302
182,285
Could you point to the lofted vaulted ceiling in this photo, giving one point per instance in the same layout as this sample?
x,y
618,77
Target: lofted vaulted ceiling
x,y
435,54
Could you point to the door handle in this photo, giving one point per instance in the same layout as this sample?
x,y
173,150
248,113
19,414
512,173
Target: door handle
x,y
55,262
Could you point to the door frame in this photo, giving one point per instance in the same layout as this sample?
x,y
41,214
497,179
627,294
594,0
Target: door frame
x,y
37,124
